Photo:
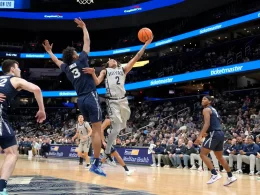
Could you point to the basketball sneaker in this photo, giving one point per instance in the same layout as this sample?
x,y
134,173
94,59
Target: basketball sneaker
x,y
214,178
87,166
110,160
97,170
129,172
193,167
4,192
230,180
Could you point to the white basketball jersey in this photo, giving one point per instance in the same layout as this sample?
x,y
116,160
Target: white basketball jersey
x,y
115,82
83,129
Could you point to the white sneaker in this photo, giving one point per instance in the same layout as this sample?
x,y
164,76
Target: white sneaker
x,y
223,171
158,165
186,167
87,166
179,167
251,173
214,178
153,165
258,173
166,166
200,168
130,172
239,172
230,180
193,167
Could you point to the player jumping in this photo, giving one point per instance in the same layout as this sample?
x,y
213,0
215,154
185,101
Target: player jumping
x,y
88,100
104,127
214,141
10,84
117,103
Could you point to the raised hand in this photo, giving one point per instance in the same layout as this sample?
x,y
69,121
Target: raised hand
x,y
88,70
79,22
47,46
40,116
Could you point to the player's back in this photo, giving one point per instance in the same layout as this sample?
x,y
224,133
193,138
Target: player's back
x,y
115,81
82,83
9,91
214,120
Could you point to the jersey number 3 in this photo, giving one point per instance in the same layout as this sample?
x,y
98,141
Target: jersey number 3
x,y
117,80
76,73
2,82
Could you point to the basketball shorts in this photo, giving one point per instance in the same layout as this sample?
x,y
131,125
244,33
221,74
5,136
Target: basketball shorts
x,y
84,146
89,106
214,141
118,110
7,136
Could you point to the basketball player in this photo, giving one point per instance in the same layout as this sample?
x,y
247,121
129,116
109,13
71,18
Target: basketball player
x,y
10,84
117,104
214,141
104,128
88,100
83,132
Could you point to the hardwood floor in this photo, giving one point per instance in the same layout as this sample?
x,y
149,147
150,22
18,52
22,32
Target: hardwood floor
x,y
145,180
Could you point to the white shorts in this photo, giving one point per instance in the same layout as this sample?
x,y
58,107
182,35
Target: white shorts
x,y
118,110
84,146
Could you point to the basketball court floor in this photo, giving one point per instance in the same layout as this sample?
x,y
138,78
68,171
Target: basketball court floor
x,y
60,177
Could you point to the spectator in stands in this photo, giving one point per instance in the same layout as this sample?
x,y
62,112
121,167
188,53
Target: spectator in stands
x,y
196,156
180,150
248,156
228,148
25,146
157,154
258,162
166,157
45,148
186,155
233,153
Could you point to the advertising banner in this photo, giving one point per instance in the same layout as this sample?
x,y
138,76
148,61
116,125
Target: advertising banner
x,y
131,155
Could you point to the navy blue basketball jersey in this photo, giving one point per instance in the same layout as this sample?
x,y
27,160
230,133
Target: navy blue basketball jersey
x,y
214,121
82,83
9,91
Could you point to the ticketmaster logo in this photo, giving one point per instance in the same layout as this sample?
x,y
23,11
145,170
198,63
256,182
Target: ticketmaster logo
x,y
67,94
226,70
163,42
161,81
121,51
34,55
205,30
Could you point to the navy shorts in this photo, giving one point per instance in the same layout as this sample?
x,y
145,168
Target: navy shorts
x,y
214,141
89,106
7,136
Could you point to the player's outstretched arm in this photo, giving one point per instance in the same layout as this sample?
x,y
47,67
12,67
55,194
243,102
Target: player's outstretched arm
x,y
132,62
96,79
89,129
48,49
86,39
75,136
21,84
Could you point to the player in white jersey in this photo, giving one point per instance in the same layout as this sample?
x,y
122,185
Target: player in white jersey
x,y
83,132
117,104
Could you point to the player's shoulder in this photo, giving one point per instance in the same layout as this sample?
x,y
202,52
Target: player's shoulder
x,y
206,110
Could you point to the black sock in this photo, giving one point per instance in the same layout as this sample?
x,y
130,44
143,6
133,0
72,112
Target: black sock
x,y
96,162
214,172
229,174
3,184
80,159
125,167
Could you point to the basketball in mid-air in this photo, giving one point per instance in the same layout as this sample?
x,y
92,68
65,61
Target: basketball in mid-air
x,y
144,34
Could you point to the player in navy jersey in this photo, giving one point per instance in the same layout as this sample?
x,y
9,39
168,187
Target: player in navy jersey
x,y
214,141
10,85
88,100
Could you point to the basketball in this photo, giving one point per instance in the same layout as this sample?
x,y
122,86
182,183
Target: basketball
x,y
144,34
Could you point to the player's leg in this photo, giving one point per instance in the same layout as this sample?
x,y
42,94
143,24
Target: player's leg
x,y
9,145
89,106
224,163
121,162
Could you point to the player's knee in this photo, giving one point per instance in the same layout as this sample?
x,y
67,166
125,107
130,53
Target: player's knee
x,y
12,154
